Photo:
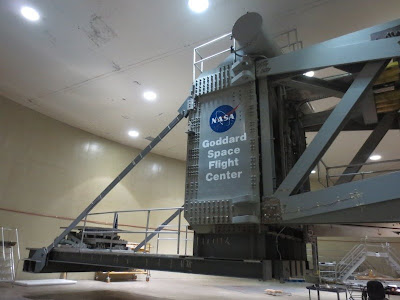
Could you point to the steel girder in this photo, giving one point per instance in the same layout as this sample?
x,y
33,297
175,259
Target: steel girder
x,y
367,148
86,260
364,201
331,128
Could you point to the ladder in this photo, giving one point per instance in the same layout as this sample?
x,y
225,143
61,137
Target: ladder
x,y
8,245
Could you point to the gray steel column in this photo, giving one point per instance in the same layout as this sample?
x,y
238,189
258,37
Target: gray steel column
x,y
331,128
369,146
267,140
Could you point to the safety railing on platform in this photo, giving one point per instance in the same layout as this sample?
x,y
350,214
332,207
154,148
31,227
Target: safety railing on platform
x,y
287,41
181,231
199,58
330,179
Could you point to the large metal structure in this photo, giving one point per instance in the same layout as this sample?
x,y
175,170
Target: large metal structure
x,y
248,195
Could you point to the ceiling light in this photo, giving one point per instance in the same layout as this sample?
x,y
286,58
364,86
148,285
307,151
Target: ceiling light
x,y
375,157
150,96
133,133
313,172
30,13
309,74
198,6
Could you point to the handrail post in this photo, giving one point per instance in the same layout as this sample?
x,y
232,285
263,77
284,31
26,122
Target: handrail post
x,y
179,230
17,238
158,241
327,176
115,226
83,232
147,229
2,241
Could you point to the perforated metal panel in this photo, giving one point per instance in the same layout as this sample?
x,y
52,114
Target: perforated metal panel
x,y
214,82
222,184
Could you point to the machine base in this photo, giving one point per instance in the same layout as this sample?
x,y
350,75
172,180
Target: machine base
x,y
88,260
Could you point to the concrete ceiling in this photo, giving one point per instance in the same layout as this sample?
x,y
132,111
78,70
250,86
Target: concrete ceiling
x,y
87,63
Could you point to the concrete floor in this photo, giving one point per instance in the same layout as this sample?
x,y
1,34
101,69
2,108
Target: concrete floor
x,y
162,286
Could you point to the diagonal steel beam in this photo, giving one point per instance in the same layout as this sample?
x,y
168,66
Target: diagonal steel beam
x,y
331,128
369,146
38,260
373,199
330,89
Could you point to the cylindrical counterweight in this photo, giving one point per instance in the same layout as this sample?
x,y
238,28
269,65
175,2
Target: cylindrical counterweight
x,y
253,39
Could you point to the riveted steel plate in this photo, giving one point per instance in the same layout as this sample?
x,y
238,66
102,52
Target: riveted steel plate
x,y
222,184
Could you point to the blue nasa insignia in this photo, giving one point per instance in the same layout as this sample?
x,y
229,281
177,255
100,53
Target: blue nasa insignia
x,y
223,118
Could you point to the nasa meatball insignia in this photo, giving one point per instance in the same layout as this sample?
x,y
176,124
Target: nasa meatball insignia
x,y
223,118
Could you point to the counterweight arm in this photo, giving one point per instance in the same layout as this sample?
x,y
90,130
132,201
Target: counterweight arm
x,y
39,258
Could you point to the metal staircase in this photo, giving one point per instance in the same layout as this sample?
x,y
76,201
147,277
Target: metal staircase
x,y
351,262
393,260
359,254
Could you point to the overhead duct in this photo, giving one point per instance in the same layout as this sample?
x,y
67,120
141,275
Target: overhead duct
x,y
252,38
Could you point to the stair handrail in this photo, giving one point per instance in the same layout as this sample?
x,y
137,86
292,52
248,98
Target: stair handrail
x,y
349,255
393,255
348,260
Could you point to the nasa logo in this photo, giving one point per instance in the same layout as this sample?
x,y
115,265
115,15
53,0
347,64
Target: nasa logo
x,y
223,118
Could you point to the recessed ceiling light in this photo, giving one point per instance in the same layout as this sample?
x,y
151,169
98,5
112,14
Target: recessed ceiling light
x,y
375,157
198,6
150,96
313,172
133,133
309,74
29,13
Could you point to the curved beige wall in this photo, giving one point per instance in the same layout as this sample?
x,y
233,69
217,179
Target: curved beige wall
x,y
50,168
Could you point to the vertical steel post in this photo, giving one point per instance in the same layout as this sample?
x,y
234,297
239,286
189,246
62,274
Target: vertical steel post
x,y
17,238
179,230
186,239
327,176
83,232
2,241
158,241
267,139
115,226
147,229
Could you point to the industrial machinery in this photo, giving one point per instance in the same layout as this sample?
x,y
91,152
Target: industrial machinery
x,y
248,196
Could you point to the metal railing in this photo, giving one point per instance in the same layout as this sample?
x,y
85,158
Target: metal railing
x,y
199,59
352,260
186,239
363,174
288,41
148,232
